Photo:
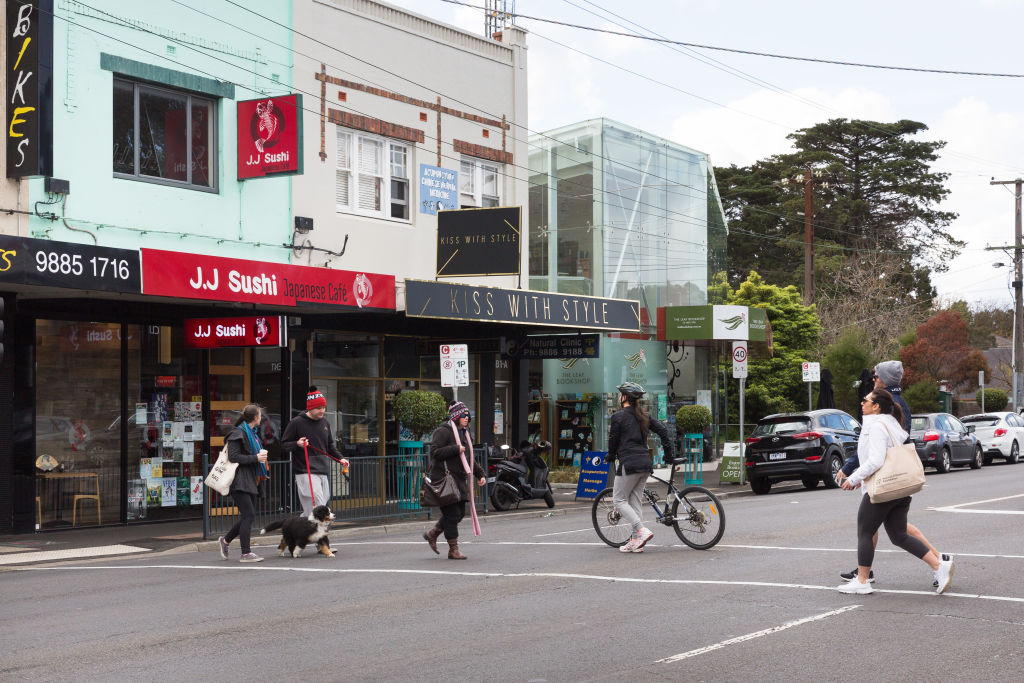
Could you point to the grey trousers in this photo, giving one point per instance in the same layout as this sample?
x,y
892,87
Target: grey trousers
x,y
321,489
627,497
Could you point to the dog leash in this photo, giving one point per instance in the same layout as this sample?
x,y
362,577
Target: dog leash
x,y
305,451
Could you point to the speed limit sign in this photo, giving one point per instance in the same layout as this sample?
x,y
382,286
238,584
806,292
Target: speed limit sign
x,y
739,359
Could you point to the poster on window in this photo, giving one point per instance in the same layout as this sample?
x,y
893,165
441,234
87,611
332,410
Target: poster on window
x,y
439,189
169,491
136,499
270,136
196,496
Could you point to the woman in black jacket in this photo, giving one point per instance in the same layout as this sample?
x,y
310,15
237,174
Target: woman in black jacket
x,y
244,447
445,451
627,443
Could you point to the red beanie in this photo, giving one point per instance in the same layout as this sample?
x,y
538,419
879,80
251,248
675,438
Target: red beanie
x,y
315,399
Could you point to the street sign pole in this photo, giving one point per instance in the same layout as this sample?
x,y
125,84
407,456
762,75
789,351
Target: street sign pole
x,y
739,371
743,444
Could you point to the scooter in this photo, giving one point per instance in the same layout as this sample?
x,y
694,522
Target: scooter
x,y
520,476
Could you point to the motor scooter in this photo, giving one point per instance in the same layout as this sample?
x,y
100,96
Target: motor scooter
x,y
519,476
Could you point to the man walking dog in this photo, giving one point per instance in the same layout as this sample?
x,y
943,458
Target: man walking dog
x,y
309,434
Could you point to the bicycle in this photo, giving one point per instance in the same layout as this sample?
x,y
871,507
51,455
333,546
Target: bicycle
x,y
696,514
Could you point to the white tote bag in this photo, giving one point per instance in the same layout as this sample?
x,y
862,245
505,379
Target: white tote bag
x,y
222,473
902,473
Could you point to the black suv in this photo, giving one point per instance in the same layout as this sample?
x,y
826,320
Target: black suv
x,y
809,446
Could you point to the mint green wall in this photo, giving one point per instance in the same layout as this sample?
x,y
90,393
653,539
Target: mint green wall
x,y
167,42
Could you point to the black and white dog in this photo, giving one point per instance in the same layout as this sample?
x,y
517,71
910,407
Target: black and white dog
x,y
298,532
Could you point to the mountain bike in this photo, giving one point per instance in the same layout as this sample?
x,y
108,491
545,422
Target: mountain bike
x,y
694,512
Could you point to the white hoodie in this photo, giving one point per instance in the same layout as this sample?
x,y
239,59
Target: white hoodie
x,y
876,437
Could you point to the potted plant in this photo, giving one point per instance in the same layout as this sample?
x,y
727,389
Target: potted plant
x,y
419,411
693,420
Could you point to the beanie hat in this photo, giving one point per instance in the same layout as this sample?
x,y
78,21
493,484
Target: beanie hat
x,y
315,399
890,372
457,410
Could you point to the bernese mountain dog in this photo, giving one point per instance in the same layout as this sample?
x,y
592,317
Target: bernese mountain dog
x,y
298,532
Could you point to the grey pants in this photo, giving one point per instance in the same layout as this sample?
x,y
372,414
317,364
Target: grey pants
x,y
321,489
627,497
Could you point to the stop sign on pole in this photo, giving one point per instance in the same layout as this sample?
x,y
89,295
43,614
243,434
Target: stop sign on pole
x,y
739,359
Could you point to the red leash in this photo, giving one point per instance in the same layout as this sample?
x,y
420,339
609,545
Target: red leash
x,y
305,450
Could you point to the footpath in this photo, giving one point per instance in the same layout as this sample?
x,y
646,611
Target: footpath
x,y
164,538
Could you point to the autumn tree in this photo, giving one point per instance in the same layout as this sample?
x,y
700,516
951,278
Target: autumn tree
x,y
940,352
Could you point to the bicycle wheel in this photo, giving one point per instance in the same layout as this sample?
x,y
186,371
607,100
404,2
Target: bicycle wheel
x,y
699,517
608,522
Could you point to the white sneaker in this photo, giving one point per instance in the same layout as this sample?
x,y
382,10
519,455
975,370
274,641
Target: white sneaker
x,y
944,574
856,587
643,536
630,545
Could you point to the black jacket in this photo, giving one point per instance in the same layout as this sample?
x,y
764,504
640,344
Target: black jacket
x,y
626,443
853,462
319,434
248,464
444,450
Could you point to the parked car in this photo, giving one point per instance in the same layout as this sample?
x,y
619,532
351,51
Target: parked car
x,y
999,433
942,441
810,446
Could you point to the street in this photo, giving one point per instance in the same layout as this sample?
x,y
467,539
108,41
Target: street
x,y
541,599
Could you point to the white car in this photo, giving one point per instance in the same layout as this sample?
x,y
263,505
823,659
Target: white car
x,y
1000,434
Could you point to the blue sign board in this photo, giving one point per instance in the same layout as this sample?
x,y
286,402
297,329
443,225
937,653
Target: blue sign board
x,y
593,474
439,189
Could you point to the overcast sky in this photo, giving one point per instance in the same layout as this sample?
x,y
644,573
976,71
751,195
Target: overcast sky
x,y
739,108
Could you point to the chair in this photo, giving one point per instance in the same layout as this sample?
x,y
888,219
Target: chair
x,y
84,497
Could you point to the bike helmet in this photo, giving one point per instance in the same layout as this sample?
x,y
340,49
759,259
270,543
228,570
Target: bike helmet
x,y
631,389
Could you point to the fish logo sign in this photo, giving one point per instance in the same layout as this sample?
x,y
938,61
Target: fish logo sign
x,y
733,322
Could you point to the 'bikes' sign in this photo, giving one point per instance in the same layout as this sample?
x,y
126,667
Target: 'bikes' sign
x,y
269,136
215,333
29,88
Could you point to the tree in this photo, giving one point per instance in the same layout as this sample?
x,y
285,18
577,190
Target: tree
x,y
940,352
846,358
881,195
922,397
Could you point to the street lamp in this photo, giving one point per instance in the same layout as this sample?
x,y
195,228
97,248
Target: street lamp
x,y
1013,352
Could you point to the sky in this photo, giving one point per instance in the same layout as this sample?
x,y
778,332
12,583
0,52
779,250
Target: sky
x,y
739,108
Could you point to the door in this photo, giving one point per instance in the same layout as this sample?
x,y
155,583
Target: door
x,y
230,392
502,414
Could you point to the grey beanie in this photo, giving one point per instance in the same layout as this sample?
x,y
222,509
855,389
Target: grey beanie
x,y
890,372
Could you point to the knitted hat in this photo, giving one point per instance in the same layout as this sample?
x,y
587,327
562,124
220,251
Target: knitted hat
x,y
890,372
457,410
315,399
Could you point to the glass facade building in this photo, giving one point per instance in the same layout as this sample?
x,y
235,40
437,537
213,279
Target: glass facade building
x,y
620,213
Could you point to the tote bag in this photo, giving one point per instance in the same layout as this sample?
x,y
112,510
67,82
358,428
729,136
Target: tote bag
x,y
902,473
222,473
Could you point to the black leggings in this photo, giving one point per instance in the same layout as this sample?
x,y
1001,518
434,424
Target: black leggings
x,y
451,515
893,514
246,504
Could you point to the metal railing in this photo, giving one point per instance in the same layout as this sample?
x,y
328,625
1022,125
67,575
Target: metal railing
x,y
376,487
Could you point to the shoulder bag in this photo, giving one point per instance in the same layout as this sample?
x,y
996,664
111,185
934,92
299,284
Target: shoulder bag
x,y
435,494
222,473
901,475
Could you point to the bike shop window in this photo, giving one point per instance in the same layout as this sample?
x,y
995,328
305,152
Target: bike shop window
x,y
164,136
371,175
479,183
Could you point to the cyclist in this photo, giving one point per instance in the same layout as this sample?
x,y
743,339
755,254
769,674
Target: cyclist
x,y
627,443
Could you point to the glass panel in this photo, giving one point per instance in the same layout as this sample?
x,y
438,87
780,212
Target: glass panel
x,y
78,401
227,388
369,156
369,193
466,177
163,138
398,162
202,142
339,355
399,198
490,180
267,364
352,409
342,181
124,127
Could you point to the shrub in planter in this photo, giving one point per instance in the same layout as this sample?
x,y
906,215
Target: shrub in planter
x,y
693,419
420,411
995,399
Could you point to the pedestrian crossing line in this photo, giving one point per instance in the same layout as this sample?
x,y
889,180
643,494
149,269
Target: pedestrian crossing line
x,y
70,554
755,634
510,575
958,507
896,551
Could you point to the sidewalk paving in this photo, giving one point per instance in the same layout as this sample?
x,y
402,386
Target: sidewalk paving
x,y
187,536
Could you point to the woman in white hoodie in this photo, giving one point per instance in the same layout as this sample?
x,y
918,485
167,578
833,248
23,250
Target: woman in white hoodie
x,y
881,431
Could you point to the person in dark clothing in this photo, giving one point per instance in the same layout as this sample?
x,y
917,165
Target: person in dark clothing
x,y
627,443
448,453
312,430
887,375
244,447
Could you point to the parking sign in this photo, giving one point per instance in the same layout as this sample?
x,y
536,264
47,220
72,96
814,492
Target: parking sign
x,y
811,372
454,365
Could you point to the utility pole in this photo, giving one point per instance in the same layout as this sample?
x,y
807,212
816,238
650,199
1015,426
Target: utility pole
x,y
1018,299
808,237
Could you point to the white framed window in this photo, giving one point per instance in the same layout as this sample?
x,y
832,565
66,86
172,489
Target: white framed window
x,y
371,175
479,183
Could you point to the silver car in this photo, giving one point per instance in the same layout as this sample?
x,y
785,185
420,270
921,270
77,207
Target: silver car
x,y
1000,434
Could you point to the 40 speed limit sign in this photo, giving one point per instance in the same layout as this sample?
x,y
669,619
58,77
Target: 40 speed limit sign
x,y
739,359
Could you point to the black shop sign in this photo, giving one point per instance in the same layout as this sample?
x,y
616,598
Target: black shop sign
x,y
548,346
429,299
478,242
48,263
29,61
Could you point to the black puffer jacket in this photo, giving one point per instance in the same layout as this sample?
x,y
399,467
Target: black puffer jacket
x,y
626,443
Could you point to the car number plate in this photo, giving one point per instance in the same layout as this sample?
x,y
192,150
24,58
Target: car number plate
x,y
776,456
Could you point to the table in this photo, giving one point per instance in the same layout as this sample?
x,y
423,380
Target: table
x,y
60,478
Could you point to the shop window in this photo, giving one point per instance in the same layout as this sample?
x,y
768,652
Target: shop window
x,y
479,183
371,175
342,355
164,136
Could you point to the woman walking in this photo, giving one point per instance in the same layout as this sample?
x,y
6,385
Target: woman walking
x,y
244,447
881,431
627,443
447,451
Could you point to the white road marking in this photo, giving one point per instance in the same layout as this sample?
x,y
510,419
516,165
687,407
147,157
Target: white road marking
x,y
70,554
755,634
958,506
508,575
847,550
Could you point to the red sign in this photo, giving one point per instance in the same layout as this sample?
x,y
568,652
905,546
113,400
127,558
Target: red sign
x,y
197,276
269,136
214,333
